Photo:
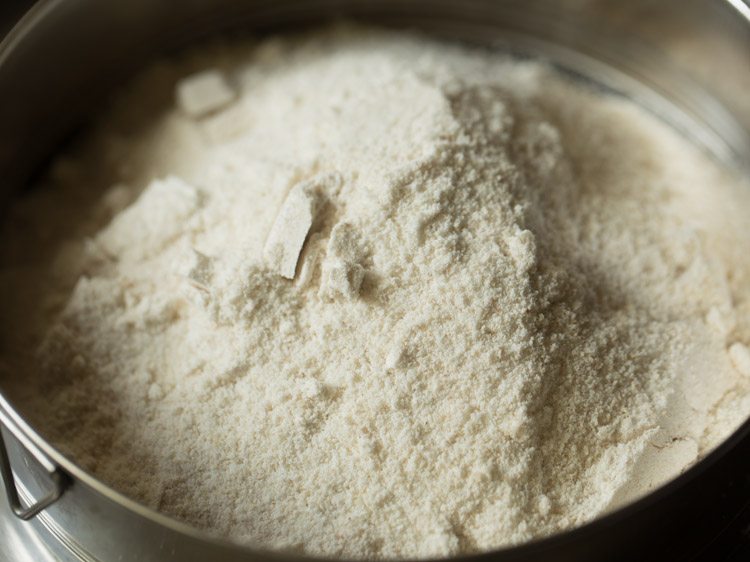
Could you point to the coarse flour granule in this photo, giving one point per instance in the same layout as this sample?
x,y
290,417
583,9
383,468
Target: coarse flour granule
x,y
359,293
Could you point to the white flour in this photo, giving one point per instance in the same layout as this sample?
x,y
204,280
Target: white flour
x,y
518,302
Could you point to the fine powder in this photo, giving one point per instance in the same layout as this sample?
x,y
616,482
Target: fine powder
x,y
361,293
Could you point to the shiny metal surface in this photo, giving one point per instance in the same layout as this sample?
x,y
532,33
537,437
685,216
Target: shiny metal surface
x,y
18,542
67,54
32,507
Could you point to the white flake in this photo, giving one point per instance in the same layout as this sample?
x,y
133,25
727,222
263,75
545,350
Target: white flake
x,y
203,93
289,230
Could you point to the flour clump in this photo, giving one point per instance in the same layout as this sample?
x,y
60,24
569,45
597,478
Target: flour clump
x,y
364,294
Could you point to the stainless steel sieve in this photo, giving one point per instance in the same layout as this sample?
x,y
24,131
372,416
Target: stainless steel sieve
x,y
687,60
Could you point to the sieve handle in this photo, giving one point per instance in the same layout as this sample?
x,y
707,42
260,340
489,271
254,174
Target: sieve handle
x,y
57,485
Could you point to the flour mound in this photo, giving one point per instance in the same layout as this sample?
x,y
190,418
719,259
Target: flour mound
x,y
395,299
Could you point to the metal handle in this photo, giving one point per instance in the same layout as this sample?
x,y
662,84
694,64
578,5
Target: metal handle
x,y
57,479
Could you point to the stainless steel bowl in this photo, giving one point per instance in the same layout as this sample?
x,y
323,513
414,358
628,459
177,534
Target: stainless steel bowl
x,y
688,60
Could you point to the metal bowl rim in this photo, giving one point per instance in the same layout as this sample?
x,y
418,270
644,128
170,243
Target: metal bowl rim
x,y
12,420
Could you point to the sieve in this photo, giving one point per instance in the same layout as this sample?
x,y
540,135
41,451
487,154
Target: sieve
x,y
66,55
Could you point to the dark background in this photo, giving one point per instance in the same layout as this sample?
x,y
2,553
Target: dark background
x,y
10,11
